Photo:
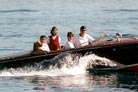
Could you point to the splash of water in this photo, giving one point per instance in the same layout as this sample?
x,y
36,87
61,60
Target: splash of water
x,y
68,65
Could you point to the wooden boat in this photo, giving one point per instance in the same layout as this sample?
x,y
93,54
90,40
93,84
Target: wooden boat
x,y
124,52
123,68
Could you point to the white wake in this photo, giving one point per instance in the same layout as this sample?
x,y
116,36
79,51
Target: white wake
x,y
69,65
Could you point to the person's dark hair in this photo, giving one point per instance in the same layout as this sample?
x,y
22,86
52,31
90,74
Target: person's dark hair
x,y
53,29
69,34
82,28
42,36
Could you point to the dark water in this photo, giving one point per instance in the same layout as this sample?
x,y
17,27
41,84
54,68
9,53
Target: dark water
x,y
23,21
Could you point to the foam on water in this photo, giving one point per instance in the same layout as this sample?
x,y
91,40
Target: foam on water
x,y
68,66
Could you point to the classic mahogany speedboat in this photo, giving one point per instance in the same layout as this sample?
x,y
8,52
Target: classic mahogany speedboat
x,y
123,50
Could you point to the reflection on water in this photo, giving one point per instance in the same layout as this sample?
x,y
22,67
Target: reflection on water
x,y
128,81
107,82
84,83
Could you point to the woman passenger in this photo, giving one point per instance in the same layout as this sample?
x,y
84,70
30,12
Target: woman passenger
x,y
54,40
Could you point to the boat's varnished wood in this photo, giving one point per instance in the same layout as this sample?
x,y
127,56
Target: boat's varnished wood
x,y
124,52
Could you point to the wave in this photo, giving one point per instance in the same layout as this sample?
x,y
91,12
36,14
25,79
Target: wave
x,y
122,10
9,49
12,35
64,64
17,10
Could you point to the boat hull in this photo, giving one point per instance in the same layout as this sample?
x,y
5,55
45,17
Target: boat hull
x,y
122,52
124,68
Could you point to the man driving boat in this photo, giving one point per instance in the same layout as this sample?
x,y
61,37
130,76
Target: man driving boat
x,y
83,39
41,46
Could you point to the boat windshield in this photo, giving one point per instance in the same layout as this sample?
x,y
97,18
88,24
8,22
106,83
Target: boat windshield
x,y
118,37
106,37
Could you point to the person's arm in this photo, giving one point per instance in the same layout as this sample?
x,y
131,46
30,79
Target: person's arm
x,y
90,39
95,41
67,45
76,42
36,48
48,49
59,39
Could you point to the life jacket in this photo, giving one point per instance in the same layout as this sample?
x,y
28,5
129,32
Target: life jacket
x,y
54,43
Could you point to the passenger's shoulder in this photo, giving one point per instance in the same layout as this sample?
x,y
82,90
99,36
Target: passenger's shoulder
x,y
89,37
67,42
45,44
87,34
36,42
58,36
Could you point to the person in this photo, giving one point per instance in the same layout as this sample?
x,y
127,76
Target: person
x,y
54,40
70,43
118,36
41,46
83,39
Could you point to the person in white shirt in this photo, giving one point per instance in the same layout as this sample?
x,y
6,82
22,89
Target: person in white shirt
x,y
45,47
70,44
83,39
41,46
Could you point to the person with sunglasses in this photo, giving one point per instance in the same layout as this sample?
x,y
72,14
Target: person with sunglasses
x,y
83,39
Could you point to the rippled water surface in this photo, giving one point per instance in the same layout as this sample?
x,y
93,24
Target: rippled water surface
x,y
23,21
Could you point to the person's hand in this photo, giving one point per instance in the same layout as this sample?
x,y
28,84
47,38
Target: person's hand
x,y
62,47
